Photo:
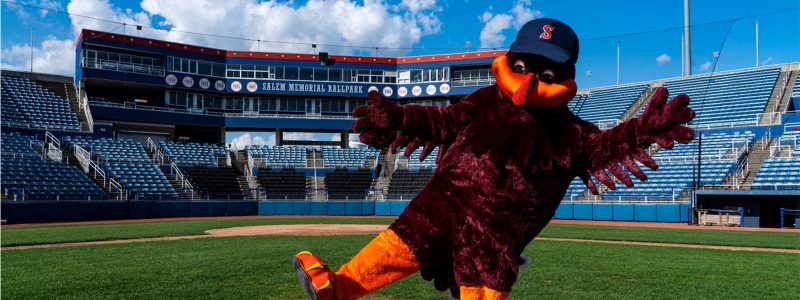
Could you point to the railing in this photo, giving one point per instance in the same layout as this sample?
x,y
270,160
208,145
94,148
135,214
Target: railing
x,y
41,127
83,104
158,156
726,124
118,66
783,83
755,186
472,82
250,164
174,170
122,194
54,153
608,123
133,105
85,159
778,150
770,118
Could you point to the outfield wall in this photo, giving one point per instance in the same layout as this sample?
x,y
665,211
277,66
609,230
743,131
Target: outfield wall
x,y
642,212
60,211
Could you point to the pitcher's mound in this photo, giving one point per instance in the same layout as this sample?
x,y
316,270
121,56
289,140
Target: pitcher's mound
x,y
300,229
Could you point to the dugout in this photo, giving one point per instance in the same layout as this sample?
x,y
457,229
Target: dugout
x,y
758,208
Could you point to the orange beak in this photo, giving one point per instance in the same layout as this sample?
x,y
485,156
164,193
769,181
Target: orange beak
x,y
526,90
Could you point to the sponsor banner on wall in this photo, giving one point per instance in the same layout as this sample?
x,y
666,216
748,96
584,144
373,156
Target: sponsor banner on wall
x,y
306,88
280,87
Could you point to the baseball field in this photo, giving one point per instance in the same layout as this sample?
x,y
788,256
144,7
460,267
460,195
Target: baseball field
x,y
230,258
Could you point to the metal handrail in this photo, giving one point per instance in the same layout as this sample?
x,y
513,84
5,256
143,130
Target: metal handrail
x,y
179,175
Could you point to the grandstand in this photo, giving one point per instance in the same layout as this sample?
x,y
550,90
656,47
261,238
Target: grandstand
x,y
156,131
606,106
26,103
193,154
727,99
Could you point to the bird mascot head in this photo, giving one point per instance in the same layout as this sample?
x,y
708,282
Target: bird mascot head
x,y
539,69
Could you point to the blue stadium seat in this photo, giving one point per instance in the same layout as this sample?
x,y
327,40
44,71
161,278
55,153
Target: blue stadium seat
x,y
192,154
28,104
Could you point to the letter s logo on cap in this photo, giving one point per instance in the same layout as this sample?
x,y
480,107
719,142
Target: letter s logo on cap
x,y
546,32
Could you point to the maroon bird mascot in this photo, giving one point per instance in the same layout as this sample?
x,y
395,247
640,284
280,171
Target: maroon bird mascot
x,y
507,155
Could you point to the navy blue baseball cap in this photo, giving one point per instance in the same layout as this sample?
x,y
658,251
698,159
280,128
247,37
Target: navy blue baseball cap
x,y
549,38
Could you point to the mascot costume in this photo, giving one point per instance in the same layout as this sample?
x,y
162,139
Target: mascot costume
x,y
508,153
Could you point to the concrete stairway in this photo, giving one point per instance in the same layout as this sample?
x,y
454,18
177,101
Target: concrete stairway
x,y
759,152
176,183
775,97
641,102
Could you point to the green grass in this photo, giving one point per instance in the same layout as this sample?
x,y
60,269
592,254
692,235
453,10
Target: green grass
x,y
258,267
787,240
80,233
103,232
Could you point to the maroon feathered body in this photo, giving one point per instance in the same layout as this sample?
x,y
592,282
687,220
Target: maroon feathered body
x,y
504,173
496,187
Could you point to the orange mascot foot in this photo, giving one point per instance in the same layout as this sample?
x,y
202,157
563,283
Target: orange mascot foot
x,y
315,276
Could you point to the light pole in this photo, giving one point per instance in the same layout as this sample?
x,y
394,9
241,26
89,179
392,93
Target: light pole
x,y
588,78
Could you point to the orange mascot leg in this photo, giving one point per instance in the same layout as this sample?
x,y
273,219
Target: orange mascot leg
x,y
481,293
384,260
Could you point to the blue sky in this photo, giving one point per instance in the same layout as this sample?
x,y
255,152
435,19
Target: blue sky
x,y
436,27
648,32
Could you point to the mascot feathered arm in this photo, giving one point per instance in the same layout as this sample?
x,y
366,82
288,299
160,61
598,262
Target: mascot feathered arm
x,y
427,126
626,143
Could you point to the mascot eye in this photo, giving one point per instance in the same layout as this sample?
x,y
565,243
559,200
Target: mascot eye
x,y
519,67
547,76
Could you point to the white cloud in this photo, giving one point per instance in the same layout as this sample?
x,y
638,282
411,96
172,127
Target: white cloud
x,y
353,140
416,6
102,9
22,11
494,24
247,139
663,59
51,56
338,22
706,66
767,61
335,22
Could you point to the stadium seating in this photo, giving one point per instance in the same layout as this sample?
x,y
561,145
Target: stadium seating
x,y
285,183
413,160
783,172
128,163
278,156
188,154
407,183
143,181
678,168
215,182
14,143
36,179
607,105
576,189
347,157
576,102
730,98
344,183
28,104
779,173
111,150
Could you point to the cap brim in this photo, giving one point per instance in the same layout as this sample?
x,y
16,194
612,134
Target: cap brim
x,y
549,51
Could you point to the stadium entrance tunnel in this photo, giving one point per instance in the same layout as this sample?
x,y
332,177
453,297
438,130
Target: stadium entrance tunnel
x,y
754,208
